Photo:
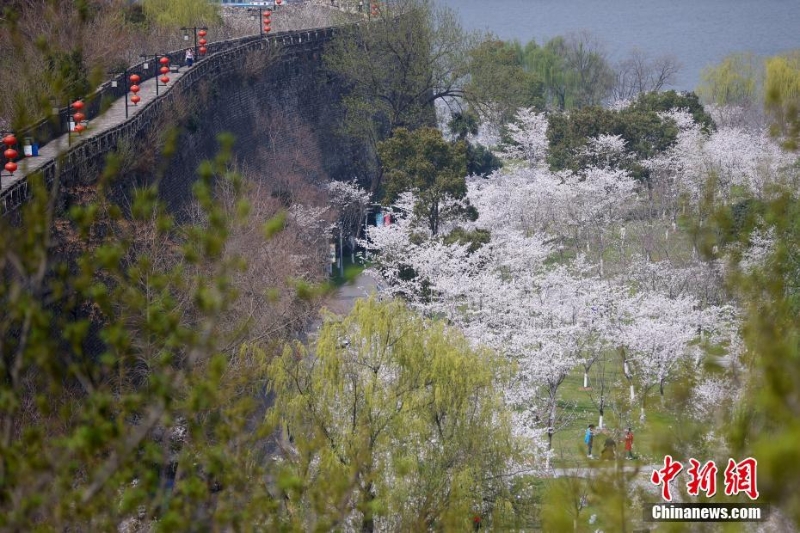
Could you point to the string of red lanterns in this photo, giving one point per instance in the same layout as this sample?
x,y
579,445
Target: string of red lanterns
x,y
267,21
202,42
134,88
77,116
164,70
10,153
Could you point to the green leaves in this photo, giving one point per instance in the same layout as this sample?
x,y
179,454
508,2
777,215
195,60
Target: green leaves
x,y
421,161
275,225
398,415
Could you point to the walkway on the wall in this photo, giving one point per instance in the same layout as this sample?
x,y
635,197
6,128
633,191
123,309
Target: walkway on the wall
x,y
113,116
57,157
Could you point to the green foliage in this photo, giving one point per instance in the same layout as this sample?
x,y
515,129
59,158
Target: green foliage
x,y
645,133
463,124
667,100
176,13
423,162
734,81
574,70
782,97
68,74
275,225
392,417
120,389
481,161
765,425
475,238
397,66
497,76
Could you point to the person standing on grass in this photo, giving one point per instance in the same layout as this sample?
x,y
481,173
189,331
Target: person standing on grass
x,y
628,444
589,439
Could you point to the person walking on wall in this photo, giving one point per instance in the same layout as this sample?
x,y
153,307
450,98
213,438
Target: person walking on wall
x,y
628,444
189,57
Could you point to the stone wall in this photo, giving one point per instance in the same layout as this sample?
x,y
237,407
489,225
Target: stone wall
x,y
271,93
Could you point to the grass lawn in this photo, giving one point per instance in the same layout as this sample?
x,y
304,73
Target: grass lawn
x,y
577,408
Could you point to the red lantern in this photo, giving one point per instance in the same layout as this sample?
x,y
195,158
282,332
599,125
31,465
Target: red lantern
x,y
78,117
164,80
135,99
278,2
11,153
267,28
135,79
80,128
135,88
9,140
164,60
11,166
202,50
202,33
164,70
202,42
77,105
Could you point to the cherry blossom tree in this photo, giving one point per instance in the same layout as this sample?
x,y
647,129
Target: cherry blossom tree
x,y
657,332
529,135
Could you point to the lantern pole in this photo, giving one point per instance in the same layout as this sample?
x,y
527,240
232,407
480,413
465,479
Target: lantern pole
x,y
125,81
196,30
155,58
115,82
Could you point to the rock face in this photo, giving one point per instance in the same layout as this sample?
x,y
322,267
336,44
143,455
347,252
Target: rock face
x,y
282,109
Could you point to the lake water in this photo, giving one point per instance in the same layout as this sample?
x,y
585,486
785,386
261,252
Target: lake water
x,y
698,32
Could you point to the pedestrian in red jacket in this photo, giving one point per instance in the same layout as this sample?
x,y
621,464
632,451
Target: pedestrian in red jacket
x,y
628,444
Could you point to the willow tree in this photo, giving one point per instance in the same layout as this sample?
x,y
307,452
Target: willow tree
x,y
734,81
394,423
782,97
498,78
181,12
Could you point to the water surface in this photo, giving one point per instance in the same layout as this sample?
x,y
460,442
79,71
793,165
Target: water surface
x,y
697,32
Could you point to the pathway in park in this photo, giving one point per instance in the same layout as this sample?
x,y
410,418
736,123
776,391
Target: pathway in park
x,y
345,297
342,301
113,116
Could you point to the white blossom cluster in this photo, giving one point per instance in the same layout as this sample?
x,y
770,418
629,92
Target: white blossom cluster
x,y
551,310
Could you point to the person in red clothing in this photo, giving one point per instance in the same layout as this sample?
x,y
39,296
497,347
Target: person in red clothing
x,y
628,444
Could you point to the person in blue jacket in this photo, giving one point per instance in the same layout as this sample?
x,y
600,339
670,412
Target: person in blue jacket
x,y
589,439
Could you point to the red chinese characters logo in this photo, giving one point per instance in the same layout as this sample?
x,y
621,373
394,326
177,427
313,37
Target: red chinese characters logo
x,y
702,478
665,475
739,477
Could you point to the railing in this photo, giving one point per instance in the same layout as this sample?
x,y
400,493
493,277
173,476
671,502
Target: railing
x,y
219,54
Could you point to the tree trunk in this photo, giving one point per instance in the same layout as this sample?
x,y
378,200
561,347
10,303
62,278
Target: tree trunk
x,y
368,522
602,411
